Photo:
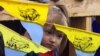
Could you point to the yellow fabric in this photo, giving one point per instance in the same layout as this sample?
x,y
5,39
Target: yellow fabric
x,y
14,0
18,42
27,11
82,40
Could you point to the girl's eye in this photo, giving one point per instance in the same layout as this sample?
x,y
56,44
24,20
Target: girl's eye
x,y
60,36
49,32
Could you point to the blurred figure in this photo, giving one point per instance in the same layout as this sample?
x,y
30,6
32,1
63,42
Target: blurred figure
x,y
96,28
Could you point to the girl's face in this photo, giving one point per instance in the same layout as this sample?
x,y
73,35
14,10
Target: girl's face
x,y
51,38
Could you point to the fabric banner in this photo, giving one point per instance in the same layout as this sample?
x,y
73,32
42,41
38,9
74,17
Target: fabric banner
x,y
27,11
81,39
18,42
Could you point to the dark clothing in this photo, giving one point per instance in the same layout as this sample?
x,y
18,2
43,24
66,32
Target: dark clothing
x,y
96,28
2,52
98,52
14,25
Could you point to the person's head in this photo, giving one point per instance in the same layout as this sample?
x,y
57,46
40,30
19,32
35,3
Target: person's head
x,y
52,38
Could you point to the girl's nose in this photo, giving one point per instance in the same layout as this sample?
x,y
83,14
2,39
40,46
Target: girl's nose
x,y
53,39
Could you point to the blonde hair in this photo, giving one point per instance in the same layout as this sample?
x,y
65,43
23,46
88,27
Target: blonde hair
x,y
59,18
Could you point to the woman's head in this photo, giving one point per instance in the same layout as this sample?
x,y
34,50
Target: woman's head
x,y
53,38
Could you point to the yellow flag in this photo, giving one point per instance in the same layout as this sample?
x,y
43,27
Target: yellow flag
x,y
82,40
14,0
27,11
18,42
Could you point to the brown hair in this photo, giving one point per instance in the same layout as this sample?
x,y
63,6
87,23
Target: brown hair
x,y
1,8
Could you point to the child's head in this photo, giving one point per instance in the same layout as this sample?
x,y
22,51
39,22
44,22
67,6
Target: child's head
x,y
55,15
53,38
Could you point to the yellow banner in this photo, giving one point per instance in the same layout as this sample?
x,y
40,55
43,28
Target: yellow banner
x,y
27,11
37,12
18,42
82,40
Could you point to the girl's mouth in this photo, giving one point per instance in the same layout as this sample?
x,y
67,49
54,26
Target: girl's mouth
x,y
50,46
